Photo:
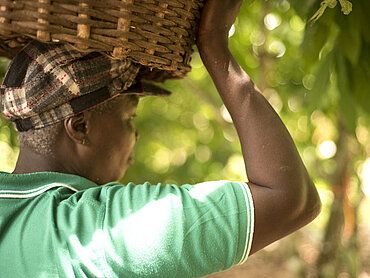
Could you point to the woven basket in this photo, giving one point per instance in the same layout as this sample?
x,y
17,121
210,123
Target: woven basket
x,y
158,34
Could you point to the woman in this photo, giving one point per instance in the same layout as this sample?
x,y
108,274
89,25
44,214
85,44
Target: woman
x,y
57,222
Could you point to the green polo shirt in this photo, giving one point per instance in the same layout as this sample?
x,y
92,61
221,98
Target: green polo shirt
x,y
59,225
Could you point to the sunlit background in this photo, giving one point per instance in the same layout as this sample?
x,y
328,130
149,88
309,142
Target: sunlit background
x,y
189,137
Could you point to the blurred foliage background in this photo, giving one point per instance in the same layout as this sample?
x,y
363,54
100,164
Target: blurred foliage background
x,y
317,77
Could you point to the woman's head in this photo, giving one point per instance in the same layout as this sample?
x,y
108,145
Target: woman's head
x,y
74,109
97,144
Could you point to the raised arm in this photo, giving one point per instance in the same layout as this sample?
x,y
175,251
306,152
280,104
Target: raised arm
x,y
284,195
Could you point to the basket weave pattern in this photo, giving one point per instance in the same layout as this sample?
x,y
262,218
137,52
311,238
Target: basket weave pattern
x,y
158,34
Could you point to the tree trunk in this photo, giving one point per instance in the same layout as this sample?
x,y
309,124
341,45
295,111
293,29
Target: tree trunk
x,y
331,259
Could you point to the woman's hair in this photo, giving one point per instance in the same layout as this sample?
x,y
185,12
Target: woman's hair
x,y
42,140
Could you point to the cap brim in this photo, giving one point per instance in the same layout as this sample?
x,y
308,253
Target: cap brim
x,y
91,100
145,88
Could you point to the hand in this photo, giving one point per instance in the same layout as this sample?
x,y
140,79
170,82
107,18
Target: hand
x,y
216,20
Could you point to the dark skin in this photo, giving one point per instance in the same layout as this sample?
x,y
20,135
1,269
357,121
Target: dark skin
x,y
285,197
97,146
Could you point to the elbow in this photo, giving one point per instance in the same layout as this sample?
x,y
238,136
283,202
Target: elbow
x,y
313,204
309,206
311,211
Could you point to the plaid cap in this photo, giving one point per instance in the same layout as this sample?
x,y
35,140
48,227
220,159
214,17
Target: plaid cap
x,y
46,83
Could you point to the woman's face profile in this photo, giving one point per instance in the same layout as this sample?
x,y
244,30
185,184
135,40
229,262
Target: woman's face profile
x,y
112,139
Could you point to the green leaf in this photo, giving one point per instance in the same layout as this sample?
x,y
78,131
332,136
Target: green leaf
x,y
347,105
349,37
364,8
315,38
361,89
361,81
304,8
322,82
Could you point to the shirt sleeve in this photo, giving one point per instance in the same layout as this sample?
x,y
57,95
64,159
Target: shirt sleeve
x,y
171,231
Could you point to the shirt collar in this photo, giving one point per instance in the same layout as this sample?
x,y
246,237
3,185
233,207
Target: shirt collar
x,y
24,182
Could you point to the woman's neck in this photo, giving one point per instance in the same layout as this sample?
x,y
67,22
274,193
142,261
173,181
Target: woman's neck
x,y
30,161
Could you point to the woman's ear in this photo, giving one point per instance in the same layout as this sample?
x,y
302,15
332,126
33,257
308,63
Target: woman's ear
x,y
76,127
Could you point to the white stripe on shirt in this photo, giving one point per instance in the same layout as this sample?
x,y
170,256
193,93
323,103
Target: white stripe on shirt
x,y
32,192
249,234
